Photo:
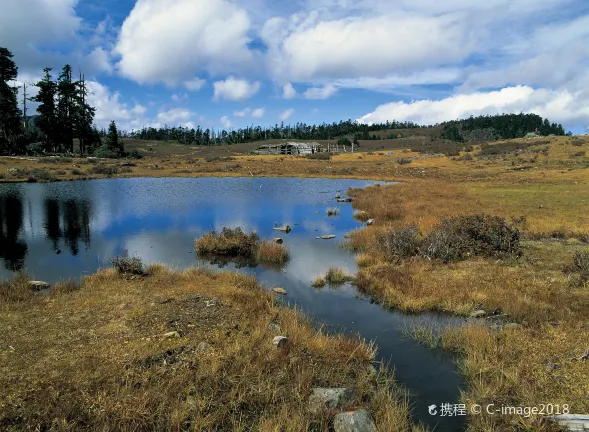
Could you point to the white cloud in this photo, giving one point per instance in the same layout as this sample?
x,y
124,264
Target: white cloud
x,y
320,92
178,97
194,84
225,122
307,48
285,115
258,112
243,113
234,89
169,40
109,107
557,105
174,116
288,91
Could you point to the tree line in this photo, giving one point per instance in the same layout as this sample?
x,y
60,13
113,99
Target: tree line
x,y
501,126
300,131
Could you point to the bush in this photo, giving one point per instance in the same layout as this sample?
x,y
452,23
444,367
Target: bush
x,y
103,169
76,171
228,242
404,161
126,266
219,158
135,155
577,154
467,157
475,235
580,265
105,152
400,243
336,276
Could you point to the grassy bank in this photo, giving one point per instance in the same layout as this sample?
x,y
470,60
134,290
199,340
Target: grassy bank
x,y
541,293
173,350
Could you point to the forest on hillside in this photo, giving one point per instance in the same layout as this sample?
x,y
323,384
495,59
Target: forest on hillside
x,y
64,115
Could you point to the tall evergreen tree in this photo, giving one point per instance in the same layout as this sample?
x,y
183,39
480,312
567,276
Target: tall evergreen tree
x,y
84,117
66,108
11,138
112,143
47,122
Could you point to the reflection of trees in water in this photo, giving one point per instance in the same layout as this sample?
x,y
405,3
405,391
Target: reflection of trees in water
x,y
68,219
12,250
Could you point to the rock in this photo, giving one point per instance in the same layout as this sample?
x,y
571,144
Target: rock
x,y
279,291
202,347
274,328
277,240
512,326
57,251
330,398
284,228
344,199
325,237
478,314
280,341
171,335
354,421
369,221
39,285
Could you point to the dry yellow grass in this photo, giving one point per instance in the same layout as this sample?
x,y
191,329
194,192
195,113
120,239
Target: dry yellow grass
x,y
97,358
272,252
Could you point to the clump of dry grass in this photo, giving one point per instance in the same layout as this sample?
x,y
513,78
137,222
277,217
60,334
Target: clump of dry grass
x,y
269,251
16,290
64,287
336,276
319,282
228,242
112,368
332,211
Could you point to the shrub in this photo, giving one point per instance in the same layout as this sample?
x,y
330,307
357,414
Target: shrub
x,y
16,290
135,155
76,171
105,152
577,154
103,169
400,243
228,242
269,251
126,265
577,142
219,158
467,157
463,236
580,265
404,161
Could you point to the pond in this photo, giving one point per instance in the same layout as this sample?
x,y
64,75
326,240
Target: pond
x,y
89,222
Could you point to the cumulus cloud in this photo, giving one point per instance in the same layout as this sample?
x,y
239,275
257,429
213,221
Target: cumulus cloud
x,y
320,92
235,89
247,112
258,112
169,40
285,115
194,84
110,107
313,49
178,97
557,105
288,91
225,122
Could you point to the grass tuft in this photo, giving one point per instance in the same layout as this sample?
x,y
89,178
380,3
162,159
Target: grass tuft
x,y
269,251
229,242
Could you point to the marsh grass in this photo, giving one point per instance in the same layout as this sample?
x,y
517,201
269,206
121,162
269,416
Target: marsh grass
x,y
112,368
228,242
319,282
336,276
272,252
16,290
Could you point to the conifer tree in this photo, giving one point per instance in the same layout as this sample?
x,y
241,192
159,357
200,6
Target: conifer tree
x,y
11,133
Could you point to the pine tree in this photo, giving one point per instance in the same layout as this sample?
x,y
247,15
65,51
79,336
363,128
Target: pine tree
x,y
47,110
84,116
66,108
11,133
112,142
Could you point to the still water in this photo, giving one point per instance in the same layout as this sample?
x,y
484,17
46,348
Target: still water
x,y
158,219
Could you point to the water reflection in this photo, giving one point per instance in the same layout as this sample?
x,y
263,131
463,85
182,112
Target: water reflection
x,y
12,249
158,220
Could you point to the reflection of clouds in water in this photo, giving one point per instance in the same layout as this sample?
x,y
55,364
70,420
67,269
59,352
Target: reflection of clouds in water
x,y
174,247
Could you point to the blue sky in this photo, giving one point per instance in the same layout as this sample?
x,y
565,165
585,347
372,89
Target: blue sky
x,y
232,63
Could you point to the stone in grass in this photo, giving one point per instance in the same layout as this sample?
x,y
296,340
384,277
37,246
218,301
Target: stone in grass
x,y
330,398
280,341
39,285
354,421
279,291
478,314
